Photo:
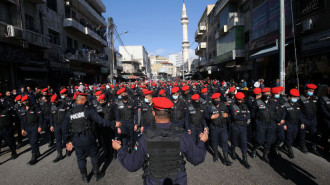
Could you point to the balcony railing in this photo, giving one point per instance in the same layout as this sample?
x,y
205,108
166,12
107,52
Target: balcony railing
x,y
86,56
92,12
98,4
197,35
235,20
202,27
37,39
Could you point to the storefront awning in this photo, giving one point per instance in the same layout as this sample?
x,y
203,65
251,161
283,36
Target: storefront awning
x,y
266,52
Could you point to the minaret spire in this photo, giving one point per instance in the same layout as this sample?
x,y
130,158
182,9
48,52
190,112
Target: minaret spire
x,y
185,41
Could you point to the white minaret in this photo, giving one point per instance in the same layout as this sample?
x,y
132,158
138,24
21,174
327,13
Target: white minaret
x,y
185,42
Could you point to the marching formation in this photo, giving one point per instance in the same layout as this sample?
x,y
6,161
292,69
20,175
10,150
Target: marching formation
x,y
158,125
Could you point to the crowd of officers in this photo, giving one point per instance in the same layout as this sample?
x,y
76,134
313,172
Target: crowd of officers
x,y
91,118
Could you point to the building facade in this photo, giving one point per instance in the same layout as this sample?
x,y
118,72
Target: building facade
x,y
56,42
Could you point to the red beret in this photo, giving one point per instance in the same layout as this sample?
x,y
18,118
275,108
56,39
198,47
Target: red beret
x,y
205,85
281,88
0,94
162,91
204,90
102,87
185,88
18,97
53,98
257,90
276,90
222,83
102,97
133,86
215,95
121,91
98,93
311,86
144,90
162,103
81,94
112,86
74,96
231,89
266,89
94,88
147,92
214,82
86,85
76,87
116,85
24,98
163,85
175,84
294,92
63,91
174,90
239,95
44,90
195,97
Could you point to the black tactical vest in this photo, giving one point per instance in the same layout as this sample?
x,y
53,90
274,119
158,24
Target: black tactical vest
x,y
219,121
292,113
58,113
263,113
195,115
78,120
164,158
148,117
4,118
31,116
276,109
178,111
126,110
105,111
308,106
45,108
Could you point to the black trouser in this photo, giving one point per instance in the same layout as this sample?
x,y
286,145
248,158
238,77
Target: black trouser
x,y
85,146
59,137
32,134
7,135
46,128
107,134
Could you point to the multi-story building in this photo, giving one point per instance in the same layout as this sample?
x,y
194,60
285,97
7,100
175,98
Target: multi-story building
x,y
52,42
135,55
161,67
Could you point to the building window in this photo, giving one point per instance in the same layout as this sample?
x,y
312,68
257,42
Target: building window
x,y
52,4
68,43
54,37
75,44
4,12
29,22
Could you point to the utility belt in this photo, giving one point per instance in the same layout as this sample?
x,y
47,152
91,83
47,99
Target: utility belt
x,y
220,126
83,133
240,123
264,122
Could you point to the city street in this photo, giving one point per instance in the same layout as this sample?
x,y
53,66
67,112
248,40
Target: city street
x,y
304,169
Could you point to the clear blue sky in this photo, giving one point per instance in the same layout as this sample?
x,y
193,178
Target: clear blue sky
x,y
155,23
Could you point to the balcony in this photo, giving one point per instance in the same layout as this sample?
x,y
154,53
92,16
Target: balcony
x,y
89,11
37,39
197,35
38,1
235,20
98,4
85,56
202,27
202,45
10,31
71,23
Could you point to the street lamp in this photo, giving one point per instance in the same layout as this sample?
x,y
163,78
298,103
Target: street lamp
x,y
113,56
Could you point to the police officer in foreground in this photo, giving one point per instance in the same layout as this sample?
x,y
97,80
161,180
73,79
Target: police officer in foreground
x,y
78,133
240,117
309,108
161,149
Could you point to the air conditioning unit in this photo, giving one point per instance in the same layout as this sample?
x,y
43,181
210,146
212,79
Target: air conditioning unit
x,y
10,31
225,29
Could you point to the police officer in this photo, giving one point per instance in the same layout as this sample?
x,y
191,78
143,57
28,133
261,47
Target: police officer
x,y
6,129
127,114
58,111
161,147
195,118
17,107
78,133
230,96
265,127
293,119
277,118
250,103
240,119
309,109
31,125
147,118
186,95
45,107
65,98
178,112
218,114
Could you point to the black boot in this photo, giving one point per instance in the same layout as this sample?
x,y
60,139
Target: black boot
x,y
265,157
59,157
303,148
115,154
226,159
290,152
33,160
83,173
276,151
51,143
233,154
19,145
215,156
96,173
314,150
254,152
13,155
38,154
245,162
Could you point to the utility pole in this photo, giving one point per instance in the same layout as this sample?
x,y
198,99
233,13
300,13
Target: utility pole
x,y
111,27
282,45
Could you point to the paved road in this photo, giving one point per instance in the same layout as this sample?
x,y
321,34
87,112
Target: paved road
x,y
304,169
